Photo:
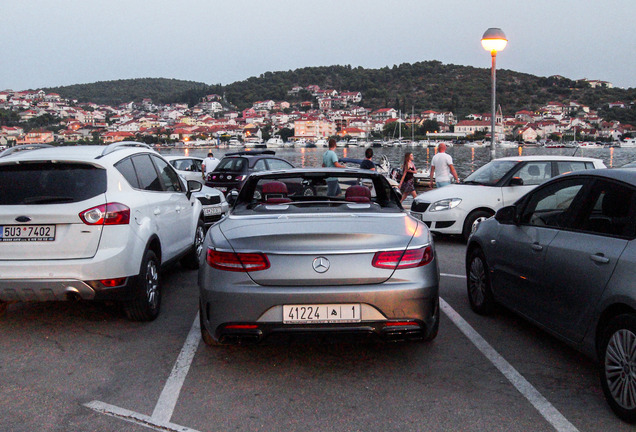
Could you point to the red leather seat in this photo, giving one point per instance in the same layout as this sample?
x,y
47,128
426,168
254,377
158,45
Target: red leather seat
x,y
358,194
275,193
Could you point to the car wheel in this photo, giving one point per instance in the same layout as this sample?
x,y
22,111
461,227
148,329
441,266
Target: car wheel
x,y
618,366
472,220
478,284
308,191
205,334
147,302
191,260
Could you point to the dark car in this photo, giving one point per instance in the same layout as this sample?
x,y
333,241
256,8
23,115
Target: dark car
x,y
564,257
230,174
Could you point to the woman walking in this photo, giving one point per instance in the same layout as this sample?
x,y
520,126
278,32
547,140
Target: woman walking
x,y
407,182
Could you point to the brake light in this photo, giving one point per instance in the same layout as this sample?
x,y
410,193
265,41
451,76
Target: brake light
x,y
410,258
106,214
238,262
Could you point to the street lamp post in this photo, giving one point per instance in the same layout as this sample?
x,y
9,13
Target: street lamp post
x,y
493,40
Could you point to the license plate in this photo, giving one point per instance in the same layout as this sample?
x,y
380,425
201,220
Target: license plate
x,y
321,313
211,211
12,233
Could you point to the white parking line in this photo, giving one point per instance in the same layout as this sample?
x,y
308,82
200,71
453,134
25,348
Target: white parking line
x,y
545,408
160,418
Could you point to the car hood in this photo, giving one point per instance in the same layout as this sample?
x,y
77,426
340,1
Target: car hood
x,y
446,192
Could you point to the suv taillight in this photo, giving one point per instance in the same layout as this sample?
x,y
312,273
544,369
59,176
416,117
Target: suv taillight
x,y
106,214
237,262
403,259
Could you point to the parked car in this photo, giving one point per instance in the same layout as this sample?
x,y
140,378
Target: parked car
x,y
458,208
213,200
284,264
230,174
564,257
94,223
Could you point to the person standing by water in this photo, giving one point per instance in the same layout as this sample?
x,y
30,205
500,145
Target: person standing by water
x,y
442,168
367,163
407,182
330,160
208,165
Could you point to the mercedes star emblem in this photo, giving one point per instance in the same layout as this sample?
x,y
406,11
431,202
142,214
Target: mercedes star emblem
x,y
321,264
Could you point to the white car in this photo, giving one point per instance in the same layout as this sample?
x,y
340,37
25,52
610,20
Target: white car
x,y
215,207
458,208
94,223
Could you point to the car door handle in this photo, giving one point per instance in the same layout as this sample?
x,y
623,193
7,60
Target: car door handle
x,y
157,212
599,258
537,247
178,209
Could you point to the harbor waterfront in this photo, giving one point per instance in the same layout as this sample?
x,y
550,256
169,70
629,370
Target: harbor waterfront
x,y
466,159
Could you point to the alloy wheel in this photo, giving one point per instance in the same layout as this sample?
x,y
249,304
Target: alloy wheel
x,y
620,368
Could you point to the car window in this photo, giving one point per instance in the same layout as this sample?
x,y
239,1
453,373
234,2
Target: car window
x,y
553,206
146,173
534,173
564,167
490,173
277,164
184,164
50,183
127,169
260,165
231,164
610,210
169,178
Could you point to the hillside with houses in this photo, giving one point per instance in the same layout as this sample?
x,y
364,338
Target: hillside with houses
x,y
305,112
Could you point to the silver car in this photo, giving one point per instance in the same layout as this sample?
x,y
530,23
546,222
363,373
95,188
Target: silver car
x,y
564,257
288,263
214,204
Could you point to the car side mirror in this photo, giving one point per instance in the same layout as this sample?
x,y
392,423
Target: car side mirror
x,y
507,215
193,186
231,197
516,181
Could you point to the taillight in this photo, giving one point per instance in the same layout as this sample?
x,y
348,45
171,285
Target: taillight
x,y
238,262
410,258
106,214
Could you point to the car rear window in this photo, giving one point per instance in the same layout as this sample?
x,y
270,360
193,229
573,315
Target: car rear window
x,y
232,164
50,183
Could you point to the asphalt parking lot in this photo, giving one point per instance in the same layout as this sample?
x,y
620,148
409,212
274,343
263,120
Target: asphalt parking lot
x,y
85,367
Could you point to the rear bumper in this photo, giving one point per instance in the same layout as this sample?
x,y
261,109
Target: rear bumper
x,y
41,290
255,314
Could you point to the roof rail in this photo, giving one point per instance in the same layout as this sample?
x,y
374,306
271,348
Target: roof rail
x,y
121,145
251,152
24,147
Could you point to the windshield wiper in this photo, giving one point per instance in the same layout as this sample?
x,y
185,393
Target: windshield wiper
x,y
47,200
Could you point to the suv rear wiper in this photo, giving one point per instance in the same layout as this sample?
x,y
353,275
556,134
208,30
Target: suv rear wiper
x,y
47,200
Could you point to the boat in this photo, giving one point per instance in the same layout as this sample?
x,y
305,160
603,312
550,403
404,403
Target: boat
x,y
321,142
275,142
376,143
234,143
508,144
628,143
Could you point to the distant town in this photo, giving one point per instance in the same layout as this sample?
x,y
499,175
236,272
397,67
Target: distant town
x,y
327,113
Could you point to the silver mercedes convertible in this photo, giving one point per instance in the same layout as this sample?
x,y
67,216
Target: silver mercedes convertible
x,y
291,261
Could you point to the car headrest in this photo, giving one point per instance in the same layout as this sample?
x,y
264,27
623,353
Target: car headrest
x,y
359,194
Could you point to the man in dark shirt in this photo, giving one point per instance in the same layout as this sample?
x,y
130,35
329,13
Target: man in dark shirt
x,y
367,163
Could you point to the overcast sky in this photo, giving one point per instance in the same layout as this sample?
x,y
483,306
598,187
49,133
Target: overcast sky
x,y
46,43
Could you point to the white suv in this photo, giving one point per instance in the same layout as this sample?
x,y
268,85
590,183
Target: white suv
x,y
94,223
458,208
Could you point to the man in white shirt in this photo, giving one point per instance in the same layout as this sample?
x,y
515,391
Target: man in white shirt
x,y
208,165
442,168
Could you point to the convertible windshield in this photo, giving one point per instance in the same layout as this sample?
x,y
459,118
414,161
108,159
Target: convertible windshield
x,y
491,173
302,192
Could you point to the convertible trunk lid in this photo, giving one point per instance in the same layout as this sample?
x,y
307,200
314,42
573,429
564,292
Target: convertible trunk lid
x,y
320,250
